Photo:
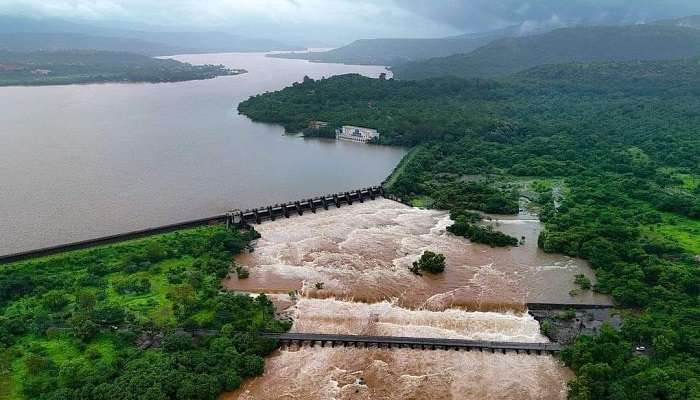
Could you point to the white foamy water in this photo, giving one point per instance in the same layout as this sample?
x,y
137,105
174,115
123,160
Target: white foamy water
x,y
362,252
359,257
386,319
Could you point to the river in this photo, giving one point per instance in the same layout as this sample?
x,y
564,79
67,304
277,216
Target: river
x,y
84,161
361,254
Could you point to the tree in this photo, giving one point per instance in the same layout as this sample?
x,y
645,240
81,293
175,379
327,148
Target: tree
x,y
430,262
83,327
155,252
86,300
582,281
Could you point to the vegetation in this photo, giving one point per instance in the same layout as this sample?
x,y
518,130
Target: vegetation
x,y
87,66
323,132
480,234
622,141
612,43
429,262
583,282
143,319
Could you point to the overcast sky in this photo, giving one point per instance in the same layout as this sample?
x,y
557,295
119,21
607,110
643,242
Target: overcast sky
x,y
346,20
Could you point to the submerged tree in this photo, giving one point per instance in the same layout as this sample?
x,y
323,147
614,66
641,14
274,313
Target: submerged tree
x,y
429,262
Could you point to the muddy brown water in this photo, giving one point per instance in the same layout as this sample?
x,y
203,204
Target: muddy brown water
x,y
361,254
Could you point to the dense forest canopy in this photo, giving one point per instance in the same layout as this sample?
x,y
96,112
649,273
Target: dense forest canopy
x,y
143,319
613,149
89,66
566,45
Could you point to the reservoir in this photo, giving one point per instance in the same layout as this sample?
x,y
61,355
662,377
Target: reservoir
x,y
84,161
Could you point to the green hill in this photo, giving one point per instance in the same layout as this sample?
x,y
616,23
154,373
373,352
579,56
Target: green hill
x,y
398,51
580,44
48,34
76,41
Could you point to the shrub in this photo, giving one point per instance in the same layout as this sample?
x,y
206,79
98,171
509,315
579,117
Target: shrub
x,y
583,281
430,262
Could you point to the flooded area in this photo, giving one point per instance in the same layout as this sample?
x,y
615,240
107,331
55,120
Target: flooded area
x,y
363,253
345,271
402,374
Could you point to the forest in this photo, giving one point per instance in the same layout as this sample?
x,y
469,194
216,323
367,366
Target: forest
x,y
623,140
143,319
565,45
91,66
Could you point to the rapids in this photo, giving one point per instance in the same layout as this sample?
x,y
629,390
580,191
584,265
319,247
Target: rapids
x,y
345,271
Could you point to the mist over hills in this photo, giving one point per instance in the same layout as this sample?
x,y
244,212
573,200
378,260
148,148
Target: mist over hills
x,y
79,41
396,51
566,45
27,34
692,21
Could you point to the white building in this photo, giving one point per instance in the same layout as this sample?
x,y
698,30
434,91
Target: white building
x,y
356,134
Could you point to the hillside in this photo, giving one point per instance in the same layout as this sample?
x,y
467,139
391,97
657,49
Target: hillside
x,y
89,66
622,142
389,51
78,41
580,44
56,34
398,51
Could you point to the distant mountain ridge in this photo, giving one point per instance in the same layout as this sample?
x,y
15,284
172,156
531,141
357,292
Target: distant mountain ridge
x,y
398,51
78,41
566,45
27,34
692,21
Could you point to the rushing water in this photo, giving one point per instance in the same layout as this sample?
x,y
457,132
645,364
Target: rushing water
x,y
361,254
84,161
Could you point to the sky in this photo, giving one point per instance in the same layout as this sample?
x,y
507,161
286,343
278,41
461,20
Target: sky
x,y
337,21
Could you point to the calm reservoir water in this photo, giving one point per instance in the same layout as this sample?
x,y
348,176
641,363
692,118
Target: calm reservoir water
x,y
84,161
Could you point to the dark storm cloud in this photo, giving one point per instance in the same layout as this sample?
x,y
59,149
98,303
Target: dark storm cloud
x,y
477,15
341,21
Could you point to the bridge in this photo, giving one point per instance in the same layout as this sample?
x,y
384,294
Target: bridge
x,y
272,212
235,218
389,342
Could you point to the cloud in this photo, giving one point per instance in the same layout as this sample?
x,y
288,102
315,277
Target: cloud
x,y
346,20
479,15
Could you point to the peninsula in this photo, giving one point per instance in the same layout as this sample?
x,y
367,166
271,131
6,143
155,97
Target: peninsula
x,y
39,68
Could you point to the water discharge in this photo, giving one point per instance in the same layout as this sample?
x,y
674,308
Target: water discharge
x,y
401,374
350,268
363,252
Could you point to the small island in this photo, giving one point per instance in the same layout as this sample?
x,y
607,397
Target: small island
x,y
39,68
